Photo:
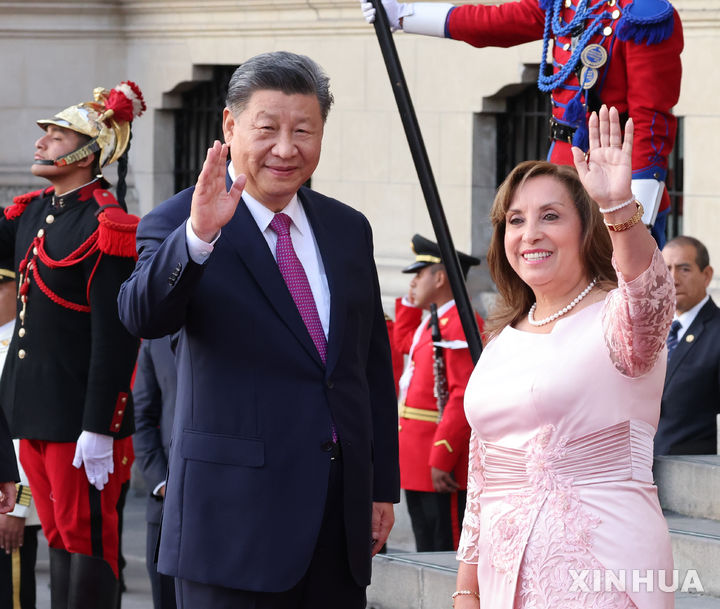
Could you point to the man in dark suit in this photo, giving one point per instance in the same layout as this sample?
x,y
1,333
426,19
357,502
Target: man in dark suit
x,y
284,462
154,394
691,397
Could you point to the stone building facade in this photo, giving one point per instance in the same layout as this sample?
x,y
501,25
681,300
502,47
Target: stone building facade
x,y
54,52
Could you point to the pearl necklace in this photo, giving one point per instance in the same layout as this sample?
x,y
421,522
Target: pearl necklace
x,y
561,312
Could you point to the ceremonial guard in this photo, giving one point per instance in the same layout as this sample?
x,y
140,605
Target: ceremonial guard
x,y
621,53
65,387
433,431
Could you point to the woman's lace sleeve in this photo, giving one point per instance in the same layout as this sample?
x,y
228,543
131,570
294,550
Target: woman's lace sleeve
x,y
636,318
468,547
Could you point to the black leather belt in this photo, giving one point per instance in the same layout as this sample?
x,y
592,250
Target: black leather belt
x,y
565,133
560,132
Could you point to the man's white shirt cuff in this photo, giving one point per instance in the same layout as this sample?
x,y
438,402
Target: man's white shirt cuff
x,y
198,249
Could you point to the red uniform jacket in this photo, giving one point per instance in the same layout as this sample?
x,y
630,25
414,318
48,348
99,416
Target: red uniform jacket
x,y
640,80
426,443
397,356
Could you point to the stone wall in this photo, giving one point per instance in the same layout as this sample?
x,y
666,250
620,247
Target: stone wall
x,y
55,52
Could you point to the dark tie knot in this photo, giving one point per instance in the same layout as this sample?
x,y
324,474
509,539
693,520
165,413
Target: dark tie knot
x,y
281,224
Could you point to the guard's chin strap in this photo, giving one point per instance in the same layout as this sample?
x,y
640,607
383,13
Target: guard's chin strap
x,y
74,156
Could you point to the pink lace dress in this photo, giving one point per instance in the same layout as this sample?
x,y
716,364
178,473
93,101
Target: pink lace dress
x,y
562,512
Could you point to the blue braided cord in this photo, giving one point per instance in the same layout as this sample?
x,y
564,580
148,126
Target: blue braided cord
x,y
561,28
576,9
548,83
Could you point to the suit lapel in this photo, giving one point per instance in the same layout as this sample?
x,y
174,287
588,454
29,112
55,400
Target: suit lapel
x,y
329,244
684,346
244,237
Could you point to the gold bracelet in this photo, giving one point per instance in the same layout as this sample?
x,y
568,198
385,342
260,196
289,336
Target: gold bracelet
x,y
628,223
464,593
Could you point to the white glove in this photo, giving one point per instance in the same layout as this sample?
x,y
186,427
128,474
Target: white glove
x,y
95,451
395,11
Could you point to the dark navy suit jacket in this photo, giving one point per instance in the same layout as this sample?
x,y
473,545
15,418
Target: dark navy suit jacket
x,y
250,460
154,394
691,397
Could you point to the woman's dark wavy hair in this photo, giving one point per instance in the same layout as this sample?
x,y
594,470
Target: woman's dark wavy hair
x,y
515,296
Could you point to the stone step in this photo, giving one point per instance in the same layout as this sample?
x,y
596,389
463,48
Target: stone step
x,y
426,580
689,485
412,580
696,546
695,601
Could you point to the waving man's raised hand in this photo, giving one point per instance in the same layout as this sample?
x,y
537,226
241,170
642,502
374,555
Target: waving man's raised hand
x,y
212,204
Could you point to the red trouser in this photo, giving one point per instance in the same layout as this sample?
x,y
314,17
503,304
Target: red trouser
x,y
75,516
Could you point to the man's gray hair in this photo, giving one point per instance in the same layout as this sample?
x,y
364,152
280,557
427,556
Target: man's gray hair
x,y
279,71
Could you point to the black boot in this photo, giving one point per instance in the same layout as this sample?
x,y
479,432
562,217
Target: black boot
x,y
59,578
93,584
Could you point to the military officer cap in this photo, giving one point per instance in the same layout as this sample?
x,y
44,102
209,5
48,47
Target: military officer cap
x,y
427,252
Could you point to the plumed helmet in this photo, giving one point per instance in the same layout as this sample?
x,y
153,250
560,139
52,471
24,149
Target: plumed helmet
x,y
106,120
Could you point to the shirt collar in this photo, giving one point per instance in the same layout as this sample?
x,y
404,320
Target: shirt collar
x,y
263,216
441,310
689,316
79,194
446,307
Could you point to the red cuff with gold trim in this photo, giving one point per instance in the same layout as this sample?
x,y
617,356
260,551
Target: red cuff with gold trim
x,y
120,406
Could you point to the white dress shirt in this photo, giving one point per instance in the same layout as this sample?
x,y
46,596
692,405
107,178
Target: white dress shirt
x,y
688,317
303,241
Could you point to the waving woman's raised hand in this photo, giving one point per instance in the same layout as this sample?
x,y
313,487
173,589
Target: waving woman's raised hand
x,y
606,174
606,170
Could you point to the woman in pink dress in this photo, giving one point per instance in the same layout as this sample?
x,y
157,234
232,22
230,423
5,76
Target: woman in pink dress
x,y
562,512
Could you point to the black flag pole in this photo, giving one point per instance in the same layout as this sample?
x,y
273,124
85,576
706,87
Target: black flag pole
x,y
427,180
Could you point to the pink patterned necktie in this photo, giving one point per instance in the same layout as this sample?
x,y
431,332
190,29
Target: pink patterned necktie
x,y
297,282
